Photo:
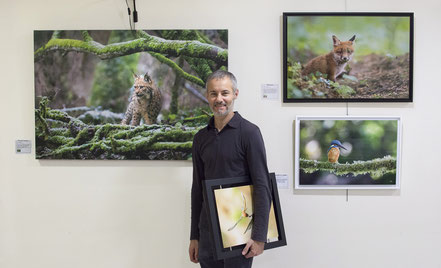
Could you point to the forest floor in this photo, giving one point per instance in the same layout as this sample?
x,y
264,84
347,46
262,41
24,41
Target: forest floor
x,y
379,77
371,77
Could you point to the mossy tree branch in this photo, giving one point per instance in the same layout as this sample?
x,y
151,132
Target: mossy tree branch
x,y
178,69
203,67
376,166
145,43
60,136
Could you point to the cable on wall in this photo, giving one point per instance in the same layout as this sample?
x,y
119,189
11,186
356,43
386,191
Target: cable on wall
x,y
129,13
133,15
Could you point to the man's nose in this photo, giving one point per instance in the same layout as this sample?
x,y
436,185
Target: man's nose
x,y
219,98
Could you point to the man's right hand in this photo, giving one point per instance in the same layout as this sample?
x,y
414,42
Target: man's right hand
x,y
193,251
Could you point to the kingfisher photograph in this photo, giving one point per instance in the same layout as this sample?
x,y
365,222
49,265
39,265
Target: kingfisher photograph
x,y
123,94
347,152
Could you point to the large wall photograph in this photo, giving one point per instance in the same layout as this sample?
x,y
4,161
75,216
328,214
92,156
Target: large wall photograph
x,y
348,57
121,94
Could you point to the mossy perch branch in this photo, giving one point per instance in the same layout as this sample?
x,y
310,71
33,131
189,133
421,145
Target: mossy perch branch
x,y
145,43
378,166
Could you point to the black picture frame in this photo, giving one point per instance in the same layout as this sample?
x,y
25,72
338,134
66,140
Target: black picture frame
x,y
210,186
366,85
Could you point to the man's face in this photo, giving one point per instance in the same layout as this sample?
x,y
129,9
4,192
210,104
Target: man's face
x,y
220,96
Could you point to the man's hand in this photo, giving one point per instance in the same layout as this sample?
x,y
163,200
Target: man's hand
x,y
193,251
253,248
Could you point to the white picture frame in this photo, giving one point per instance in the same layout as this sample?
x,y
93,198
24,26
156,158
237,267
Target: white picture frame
x,y
369,159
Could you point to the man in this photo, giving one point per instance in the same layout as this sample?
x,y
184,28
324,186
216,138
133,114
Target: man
x,y
229,146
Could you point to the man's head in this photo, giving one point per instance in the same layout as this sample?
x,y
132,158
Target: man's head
x,y
221,92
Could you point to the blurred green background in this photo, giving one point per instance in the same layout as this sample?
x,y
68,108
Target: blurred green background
x,y
309,36
363,139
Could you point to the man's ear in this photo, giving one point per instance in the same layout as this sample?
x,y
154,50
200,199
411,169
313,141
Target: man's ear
x,y
236,93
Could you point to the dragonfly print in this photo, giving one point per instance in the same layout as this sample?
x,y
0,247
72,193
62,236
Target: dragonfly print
x,y
244,214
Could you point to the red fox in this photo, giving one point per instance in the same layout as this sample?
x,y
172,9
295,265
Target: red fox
x,y
333,63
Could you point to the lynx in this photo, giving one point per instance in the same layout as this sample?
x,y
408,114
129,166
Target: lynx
x,y
146,102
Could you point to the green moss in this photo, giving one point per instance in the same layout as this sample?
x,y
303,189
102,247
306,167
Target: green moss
x,y
178,69
86,36
223,56
197,120
175,146
60,140
202,67
146,43
345,91
103,145
378,166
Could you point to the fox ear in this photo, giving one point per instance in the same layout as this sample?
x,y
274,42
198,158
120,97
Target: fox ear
x,y
352,39
147,78
335,40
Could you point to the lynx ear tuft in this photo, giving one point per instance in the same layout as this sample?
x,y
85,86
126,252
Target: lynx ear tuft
x,y
335,40
147,78
352,39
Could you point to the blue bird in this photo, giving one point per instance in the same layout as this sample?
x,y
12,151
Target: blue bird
x,y
334,151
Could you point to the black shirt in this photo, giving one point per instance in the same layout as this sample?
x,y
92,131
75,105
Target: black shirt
x,y
237,150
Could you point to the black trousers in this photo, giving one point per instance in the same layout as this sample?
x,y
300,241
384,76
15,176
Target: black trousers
x,y
236,262
206,248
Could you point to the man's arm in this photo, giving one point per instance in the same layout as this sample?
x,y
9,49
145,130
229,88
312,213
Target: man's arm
x,y
196,200
193,251
196,190
253,248
256,158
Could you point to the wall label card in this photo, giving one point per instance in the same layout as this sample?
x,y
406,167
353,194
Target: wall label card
x,y
282,181
270,91
23,146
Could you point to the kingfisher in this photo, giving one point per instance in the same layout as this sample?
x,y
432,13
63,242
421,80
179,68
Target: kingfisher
x,y
334,151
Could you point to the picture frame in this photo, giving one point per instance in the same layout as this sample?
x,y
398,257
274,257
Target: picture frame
x,y
347,152
235,196
123,94
367,62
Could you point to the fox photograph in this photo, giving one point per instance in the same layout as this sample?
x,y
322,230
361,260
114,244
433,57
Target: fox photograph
x,y
348,57
347,152
121,94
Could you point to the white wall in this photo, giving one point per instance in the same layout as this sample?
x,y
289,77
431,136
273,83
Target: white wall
x,y
115,213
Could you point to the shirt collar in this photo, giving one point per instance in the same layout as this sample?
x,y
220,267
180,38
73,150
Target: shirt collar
x,y
234,122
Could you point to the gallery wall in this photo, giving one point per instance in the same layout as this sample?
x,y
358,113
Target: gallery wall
x,y
137,213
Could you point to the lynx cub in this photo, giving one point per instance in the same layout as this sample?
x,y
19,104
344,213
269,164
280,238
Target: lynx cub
x,y
145,102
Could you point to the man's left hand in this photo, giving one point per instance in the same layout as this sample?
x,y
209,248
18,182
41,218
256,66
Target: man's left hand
x,y
253,248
